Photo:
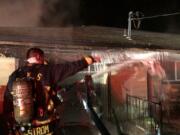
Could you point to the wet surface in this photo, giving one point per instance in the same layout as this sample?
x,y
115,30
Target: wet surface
x,y
75,120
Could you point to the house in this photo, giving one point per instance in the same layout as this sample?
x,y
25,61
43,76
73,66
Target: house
x,y
146,66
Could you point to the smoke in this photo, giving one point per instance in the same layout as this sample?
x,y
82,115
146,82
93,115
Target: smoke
x,y
60,13
39,13
20,12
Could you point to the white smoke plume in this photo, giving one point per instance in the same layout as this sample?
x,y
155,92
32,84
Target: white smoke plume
x,y
20,13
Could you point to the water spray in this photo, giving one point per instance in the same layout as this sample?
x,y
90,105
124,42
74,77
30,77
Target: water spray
x,y
117,60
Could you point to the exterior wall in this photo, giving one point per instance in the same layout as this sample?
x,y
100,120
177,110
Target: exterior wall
x,y
53,54
131,81
8,65
174,98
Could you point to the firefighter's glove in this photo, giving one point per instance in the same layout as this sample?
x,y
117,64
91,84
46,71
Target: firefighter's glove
x,y
91,59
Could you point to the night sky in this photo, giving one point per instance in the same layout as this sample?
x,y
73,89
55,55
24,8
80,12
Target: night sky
x,y
109,13
114,13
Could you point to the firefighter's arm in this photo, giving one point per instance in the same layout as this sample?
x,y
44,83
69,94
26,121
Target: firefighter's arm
x,y
62,71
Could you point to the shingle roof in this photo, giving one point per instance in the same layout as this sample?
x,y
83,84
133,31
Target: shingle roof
x,y
87,38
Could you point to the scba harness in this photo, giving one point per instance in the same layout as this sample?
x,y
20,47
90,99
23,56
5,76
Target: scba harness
x,y
30,117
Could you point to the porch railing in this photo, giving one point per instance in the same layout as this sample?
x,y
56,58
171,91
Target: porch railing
x,y
145,114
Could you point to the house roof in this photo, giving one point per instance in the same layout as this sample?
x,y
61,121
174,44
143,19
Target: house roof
x,y
87,38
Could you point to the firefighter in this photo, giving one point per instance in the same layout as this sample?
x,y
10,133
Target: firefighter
x,y
45,78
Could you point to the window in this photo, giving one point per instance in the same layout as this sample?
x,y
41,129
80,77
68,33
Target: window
x,y
172,69
177,70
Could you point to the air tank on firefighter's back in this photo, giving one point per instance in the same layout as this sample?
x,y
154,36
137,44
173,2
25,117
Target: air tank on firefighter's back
x,y
22,101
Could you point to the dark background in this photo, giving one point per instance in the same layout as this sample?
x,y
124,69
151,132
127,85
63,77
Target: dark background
x,y
113,13
109,13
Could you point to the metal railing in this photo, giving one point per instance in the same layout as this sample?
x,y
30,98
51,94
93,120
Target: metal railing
x,y
145,114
